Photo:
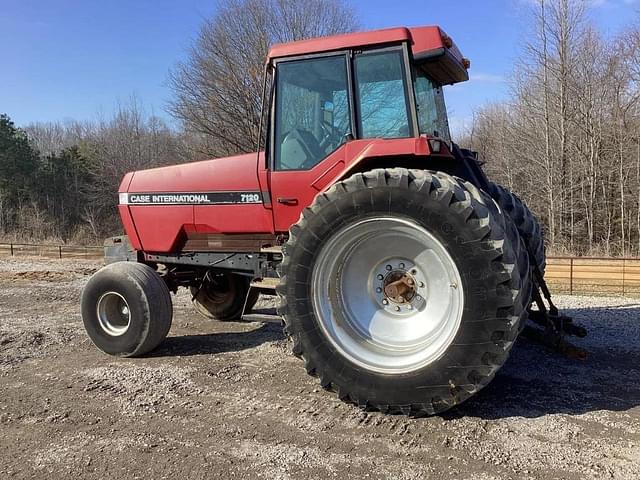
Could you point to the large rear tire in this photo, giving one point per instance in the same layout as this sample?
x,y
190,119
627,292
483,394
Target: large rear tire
x,y
126,309
525,221
401,291
223,297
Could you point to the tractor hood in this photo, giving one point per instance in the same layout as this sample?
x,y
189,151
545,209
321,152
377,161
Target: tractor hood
x,y
163,208
219,175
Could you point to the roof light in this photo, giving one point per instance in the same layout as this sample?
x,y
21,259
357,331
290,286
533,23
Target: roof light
x,y
446,40
466,63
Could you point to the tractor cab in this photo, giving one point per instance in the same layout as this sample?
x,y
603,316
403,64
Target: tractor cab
x,y
342,104
385,84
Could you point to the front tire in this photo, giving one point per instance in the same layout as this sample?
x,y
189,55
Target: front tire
x,y
363,329
126,309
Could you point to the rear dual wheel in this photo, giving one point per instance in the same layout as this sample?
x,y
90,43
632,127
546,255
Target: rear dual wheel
x,y
401,291
525,221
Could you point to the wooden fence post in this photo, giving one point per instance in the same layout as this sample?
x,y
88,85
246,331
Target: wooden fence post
x,y
571,277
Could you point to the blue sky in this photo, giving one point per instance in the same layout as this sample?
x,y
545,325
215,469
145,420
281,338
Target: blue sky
x,y
76,59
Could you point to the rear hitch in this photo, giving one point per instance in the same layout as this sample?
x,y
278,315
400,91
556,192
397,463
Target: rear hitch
x,y
555,326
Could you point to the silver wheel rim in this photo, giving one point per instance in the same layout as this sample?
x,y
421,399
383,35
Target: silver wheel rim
x,y
114,315
352,281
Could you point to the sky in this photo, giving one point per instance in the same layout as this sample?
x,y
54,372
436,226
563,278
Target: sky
x,y
77,59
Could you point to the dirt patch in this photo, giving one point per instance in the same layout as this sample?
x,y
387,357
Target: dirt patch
x,y
141,390
45,275
36,275
227,400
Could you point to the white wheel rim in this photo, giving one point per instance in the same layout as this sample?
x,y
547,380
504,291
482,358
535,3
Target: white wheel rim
x,y
114,315
351,280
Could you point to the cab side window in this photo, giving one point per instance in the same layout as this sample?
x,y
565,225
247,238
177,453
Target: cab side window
x,y
381,92
312,111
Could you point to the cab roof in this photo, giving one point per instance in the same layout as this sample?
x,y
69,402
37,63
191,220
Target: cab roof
x,y
427,43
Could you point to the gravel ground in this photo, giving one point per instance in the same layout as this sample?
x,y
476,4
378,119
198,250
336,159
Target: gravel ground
x,y
227,400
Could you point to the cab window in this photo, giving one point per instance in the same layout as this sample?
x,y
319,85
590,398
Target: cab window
x,y
312,111
432,113
382,94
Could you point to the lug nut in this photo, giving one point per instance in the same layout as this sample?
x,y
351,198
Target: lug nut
x,y
380,276
385,301
388,267
421,285
418,297
379,290
397,309
414,271
401,265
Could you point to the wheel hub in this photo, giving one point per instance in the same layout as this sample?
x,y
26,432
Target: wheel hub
x,y
399,286
114,315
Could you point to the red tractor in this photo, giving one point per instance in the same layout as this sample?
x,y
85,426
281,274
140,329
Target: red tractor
x,y
404,274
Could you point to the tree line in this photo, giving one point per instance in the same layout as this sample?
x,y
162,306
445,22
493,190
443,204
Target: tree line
x,y
567,140
59,181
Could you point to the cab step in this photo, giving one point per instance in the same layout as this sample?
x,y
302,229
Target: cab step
x,y
273,249
265,283
266,286
261,317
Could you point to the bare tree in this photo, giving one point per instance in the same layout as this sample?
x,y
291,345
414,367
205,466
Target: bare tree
x,y
218,88
568,139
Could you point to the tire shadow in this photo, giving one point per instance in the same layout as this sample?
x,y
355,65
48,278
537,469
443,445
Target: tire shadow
x,y
212,343
536,381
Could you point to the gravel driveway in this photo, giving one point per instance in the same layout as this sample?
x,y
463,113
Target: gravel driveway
x,y
227,400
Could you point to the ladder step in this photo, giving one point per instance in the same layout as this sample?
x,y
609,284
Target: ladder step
x,y
261,317
274,249
265,283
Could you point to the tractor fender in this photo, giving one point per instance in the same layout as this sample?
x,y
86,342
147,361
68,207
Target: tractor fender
x,y
410,153
366,154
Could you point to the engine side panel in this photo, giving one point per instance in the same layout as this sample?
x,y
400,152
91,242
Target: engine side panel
x,y
162,207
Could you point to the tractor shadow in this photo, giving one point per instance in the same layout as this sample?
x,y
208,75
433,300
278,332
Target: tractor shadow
x,y
536,381
213,343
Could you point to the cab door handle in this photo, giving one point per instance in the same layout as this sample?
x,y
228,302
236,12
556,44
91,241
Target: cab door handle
x,y
288,201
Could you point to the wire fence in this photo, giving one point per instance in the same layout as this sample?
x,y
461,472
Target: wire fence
x,y
594,275
51,251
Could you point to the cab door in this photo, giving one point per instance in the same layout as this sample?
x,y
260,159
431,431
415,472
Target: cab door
x,y
311,123
314,116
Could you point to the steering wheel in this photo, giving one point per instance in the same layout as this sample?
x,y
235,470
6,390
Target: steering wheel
x,y
331,134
